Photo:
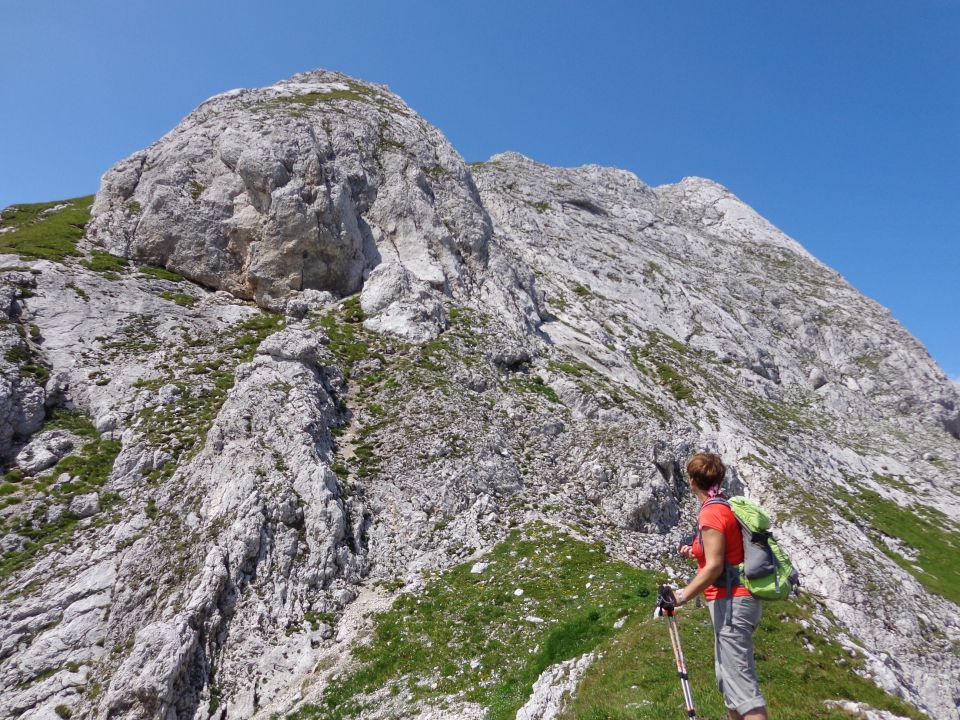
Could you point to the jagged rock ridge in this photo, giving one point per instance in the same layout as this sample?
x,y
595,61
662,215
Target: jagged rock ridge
x,y
527,343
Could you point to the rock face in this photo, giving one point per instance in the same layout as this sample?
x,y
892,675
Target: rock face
x,y
21,382
207,498
308,184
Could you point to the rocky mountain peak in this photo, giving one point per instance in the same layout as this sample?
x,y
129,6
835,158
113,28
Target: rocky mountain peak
x,y
309,184
305,417
710,206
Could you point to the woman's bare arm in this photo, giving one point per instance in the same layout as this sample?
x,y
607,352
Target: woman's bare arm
x,y
714,548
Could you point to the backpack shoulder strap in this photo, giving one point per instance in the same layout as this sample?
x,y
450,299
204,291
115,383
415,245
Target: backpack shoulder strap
x,y
731,575
716,500
711,501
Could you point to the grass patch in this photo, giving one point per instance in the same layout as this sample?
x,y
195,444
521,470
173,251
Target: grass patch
x,y
344,328
159,273
136,337
535,384
18,353
470,637
215,692
663,355
180,298
105,263
675,383
75,422
42,233
576,368
653,407
470,634
933,536
652,268
894,481
635,677
366,460
356,93
314,619
559,302
773,417
29,367
81,293
758,461
385,143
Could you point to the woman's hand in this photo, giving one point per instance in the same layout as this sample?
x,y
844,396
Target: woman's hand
x,y
714,547
686,551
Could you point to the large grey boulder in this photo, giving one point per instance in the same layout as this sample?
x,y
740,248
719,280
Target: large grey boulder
x,y
45,450
85,505
308,184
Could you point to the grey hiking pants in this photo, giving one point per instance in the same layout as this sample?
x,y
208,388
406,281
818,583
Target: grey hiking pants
x,y
733,652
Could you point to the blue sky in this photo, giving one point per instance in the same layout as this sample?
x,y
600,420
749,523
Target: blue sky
x,y
840,122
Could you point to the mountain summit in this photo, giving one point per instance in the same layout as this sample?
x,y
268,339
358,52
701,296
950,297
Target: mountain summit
x,y
305,416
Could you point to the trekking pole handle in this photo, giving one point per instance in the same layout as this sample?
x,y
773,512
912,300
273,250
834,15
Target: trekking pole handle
x,y
666,601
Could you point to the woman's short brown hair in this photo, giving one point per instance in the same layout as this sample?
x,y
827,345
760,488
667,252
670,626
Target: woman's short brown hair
x,y
706,470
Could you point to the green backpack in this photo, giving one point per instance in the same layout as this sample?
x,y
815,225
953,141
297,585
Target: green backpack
x,y
766,570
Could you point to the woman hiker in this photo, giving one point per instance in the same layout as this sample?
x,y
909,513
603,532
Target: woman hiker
x,y
718,546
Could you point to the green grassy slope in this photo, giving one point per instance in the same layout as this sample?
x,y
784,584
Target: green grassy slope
x,y
472,637
930,537
51,236
636,677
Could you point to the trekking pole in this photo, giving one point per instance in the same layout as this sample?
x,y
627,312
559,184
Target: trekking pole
x,y
666,606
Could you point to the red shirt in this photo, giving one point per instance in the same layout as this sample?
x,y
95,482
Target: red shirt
x,y
719,517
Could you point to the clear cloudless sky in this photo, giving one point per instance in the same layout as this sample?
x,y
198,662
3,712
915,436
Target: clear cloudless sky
x,y
838,121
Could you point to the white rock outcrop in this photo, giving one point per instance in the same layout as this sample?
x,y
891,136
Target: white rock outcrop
x,y
554,688
309,184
